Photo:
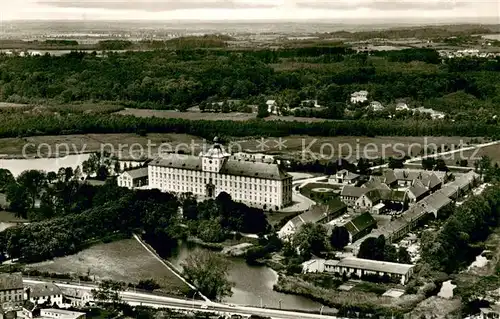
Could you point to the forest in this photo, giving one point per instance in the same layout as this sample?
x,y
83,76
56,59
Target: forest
x,y
179,79
461,237
19,124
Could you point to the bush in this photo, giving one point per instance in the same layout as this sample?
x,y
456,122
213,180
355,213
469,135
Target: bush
x,y
293,268
148,284
371,287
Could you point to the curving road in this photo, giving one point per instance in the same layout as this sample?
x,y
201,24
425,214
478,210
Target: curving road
x,y
463,149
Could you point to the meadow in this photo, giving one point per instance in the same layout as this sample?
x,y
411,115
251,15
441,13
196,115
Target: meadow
x,y
233,116
124,260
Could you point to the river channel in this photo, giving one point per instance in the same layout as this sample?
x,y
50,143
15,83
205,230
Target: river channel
x,y
253,284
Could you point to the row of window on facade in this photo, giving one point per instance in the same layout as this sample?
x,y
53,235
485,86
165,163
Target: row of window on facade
x,y
223,178
16,297
245,186
250,197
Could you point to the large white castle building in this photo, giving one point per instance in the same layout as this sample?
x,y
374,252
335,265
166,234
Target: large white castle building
x,y
257,183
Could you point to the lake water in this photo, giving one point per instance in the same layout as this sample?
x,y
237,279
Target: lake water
x,y
17,166
251,284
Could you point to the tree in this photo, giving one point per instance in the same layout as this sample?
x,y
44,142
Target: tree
x,y
396,163
390,253
262,111
441,165
463,162
6,178
78,173
311,240
189,206
107,292
211,230
484,168
363,166
102,173
225,107
148,284
202,106
403,256
33,182
61,174
209,273
68,174
51,177
116,167
428,163
19,199
372,248
339,238
95,162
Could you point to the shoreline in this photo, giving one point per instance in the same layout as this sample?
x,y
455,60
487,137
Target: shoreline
x,y
9,157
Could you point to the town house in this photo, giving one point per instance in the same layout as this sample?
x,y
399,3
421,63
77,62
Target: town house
x,y
11,290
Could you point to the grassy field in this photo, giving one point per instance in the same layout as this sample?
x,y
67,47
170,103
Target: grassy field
x,y
132,144
234,116
297,146
124,260
493,152
346,146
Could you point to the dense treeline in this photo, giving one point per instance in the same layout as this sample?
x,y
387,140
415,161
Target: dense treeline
x,y
122,212
185,77
458,242
61,42
114,45
213,220
425,32
73,213
409,55
16,125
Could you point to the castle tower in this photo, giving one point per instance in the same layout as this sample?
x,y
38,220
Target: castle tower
x,y
214,158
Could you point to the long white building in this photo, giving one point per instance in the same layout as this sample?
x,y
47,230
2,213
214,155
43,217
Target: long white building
x,y
256,183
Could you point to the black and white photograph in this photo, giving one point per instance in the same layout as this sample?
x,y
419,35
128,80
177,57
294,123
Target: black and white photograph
x,y
250,159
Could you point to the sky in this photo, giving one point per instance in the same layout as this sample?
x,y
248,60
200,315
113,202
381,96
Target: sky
x,y
220,10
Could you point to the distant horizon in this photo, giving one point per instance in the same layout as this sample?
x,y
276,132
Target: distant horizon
x,y
346,21
275,11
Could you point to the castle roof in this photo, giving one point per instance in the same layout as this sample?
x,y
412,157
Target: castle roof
x,y
229,167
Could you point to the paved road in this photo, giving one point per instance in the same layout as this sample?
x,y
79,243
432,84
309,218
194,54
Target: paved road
x,y
419,158
304,182
151,300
